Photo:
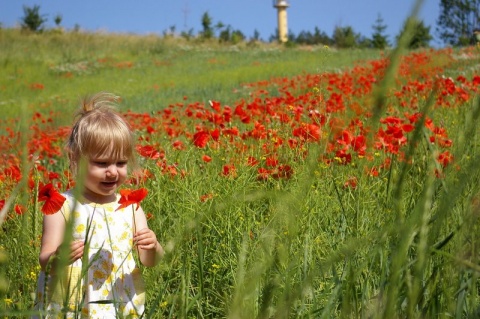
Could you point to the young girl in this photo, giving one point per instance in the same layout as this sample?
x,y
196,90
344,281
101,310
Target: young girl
x,y
101,279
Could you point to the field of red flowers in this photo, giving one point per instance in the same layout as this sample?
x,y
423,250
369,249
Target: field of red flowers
x,y
352,144
272,132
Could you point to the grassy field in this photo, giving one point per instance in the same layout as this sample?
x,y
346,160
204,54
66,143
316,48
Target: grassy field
x,y
148,72
283,182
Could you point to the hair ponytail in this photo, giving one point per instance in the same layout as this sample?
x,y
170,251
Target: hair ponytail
x,y
100,100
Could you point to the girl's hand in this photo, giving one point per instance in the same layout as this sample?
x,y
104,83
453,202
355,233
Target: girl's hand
x,y
76,250
145,239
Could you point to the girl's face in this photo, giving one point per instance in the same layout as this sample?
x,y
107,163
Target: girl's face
x,y
104,176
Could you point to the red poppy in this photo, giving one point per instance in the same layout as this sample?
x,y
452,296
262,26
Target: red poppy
x,y
206,197
351,183
252,161
37,86
283,171
200,139
19,209
148,151
129,197
229,170
271,161
445,158
52,198
215,134
53,175
178,145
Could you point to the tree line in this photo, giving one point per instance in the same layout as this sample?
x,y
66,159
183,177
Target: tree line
x,y
457,25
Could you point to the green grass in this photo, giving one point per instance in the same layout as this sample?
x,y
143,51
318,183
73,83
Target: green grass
x,y
148,72
400,245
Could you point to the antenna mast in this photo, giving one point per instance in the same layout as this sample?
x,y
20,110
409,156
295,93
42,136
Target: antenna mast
x,y
186,11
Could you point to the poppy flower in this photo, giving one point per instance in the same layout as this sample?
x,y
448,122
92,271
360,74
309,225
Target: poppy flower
x,y
229,170
178,145
129,197
19,209
148,151
351,183
200,139
52,198
445,158
206,197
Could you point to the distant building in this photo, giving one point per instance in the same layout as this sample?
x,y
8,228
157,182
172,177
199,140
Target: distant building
x,y
282,6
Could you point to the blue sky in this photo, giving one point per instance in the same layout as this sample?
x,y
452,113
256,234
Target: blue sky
x,y
157,16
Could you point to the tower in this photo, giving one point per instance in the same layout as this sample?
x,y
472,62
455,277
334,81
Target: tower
x,y
282,6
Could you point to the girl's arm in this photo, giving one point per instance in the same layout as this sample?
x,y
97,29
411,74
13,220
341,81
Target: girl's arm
x,y
52,238
149,249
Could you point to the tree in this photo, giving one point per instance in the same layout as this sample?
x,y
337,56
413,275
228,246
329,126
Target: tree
x,y
232,36
318,37
364,42
418,34
256,35
379,39
207,26
187,34
57,19
345,37
32,19
457,21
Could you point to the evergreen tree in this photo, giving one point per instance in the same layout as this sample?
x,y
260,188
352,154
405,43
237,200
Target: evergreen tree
x,y
379,38
256,35
318,37
345,37
364,42
419,34
207,32
32,19
457,21
304,37
57,19
230,35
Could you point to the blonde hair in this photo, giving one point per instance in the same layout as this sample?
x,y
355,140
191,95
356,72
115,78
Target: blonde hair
x,y
100,130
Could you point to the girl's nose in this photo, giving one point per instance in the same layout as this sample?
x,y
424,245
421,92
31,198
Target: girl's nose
x,y
112,170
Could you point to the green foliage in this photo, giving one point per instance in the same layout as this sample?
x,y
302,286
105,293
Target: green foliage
x,y
315,38
32,19
418,34
207,29
345,37
400,245
457,21
379,38
228,35
74,64
58,20
256,35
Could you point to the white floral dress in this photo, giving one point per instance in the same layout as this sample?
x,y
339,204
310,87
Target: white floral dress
x,y
109,285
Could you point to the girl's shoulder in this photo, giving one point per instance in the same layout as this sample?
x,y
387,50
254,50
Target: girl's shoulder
x,y
69,204
72,203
